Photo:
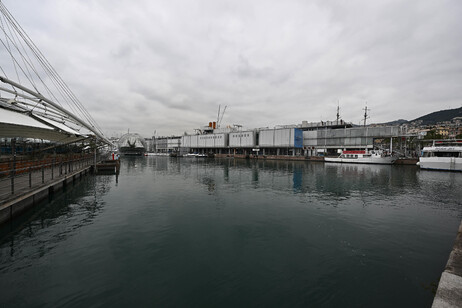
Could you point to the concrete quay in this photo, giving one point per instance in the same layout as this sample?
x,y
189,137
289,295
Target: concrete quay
x,y
449,292
18,203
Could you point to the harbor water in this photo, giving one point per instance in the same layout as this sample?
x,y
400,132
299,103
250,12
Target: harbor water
x,y
189,232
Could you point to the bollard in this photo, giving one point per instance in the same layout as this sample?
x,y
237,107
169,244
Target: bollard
x,y
30,177
43,175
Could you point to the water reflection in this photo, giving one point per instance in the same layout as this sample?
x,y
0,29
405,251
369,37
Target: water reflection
x,y
247,232
75,207
299,177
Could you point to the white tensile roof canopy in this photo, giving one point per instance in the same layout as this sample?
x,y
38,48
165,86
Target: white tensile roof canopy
x,y
15,124
37,103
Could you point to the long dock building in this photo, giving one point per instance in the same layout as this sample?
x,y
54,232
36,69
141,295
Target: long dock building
x,y
306,139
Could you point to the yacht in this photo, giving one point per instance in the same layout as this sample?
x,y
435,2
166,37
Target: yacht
x,y
442,155
363,157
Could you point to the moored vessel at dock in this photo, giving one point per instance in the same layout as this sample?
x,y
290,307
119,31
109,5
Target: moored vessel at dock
x,y
363,157
442,155
196,155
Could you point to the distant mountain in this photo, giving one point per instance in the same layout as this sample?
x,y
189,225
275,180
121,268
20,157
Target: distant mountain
x,y
439,116
432,118
397,122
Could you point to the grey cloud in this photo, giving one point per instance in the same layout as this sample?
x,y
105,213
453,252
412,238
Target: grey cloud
x,y
246,70
271,62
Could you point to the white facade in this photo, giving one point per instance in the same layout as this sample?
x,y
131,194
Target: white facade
x,y
242,139
212,141
150,144
161,144
205,141
310,138
189,141
277,137
173,143
347,137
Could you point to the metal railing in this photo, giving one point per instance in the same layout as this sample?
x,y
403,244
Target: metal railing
x,y
19,176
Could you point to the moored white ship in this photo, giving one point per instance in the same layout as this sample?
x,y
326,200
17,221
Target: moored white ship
x,y
363,157
442,155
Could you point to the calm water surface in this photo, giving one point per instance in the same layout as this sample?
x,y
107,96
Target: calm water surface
x,y
188,232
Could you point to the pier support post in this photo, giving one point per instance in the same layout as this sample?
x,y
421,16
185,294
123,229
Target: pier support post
x,y
13,169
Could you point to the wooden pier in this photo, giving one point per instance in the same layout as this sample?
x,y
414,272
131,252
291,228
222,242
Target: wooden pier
x,y
23,188
26,198
108,167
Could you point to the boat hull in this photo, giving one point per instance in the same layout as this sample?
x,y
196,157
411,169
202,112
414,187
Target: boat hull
x,y
441,163
378,161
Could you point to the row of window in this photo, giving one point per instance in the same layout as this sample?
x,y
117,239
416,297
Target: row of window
x,y
211,137
351,156
442,154
220,137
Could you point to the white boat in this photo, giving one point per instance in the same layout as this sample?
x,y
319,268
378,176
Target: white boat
x,y
195,155
363,157
155,154
442,155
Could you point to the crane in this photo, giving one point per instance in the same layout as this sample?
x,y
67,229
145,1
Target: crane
x,y
219,119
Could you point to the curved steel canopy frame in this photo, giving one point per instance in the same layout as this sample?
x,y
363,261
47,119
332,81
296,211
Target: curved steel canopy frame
x,y
48,103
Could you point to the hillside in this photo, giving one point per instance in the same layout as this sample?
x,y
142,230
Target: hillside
x,y
439,116
432,118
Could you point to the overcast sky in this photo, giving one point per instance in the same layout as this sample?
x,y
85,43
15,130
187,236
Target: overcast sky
x,y
166,66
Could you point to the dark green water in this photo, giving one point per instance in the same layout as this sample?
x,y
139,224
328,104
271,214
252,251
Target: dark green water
x,y
214,233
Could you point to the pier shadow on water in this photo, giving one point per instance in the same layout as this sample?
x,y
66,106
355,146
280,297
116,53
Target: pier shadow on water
x,y
74,207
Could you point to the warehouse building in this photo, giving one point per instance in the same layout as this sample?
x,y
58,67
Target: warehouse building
x,y
308,139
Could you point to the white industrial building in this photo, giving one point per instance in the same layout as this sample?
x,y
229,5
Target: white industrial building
x,y
295,140
282,141
243,142
331,140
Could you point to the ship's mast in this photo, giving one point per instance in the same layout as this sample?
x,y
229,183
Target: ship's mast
x,y
366,116
338,112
